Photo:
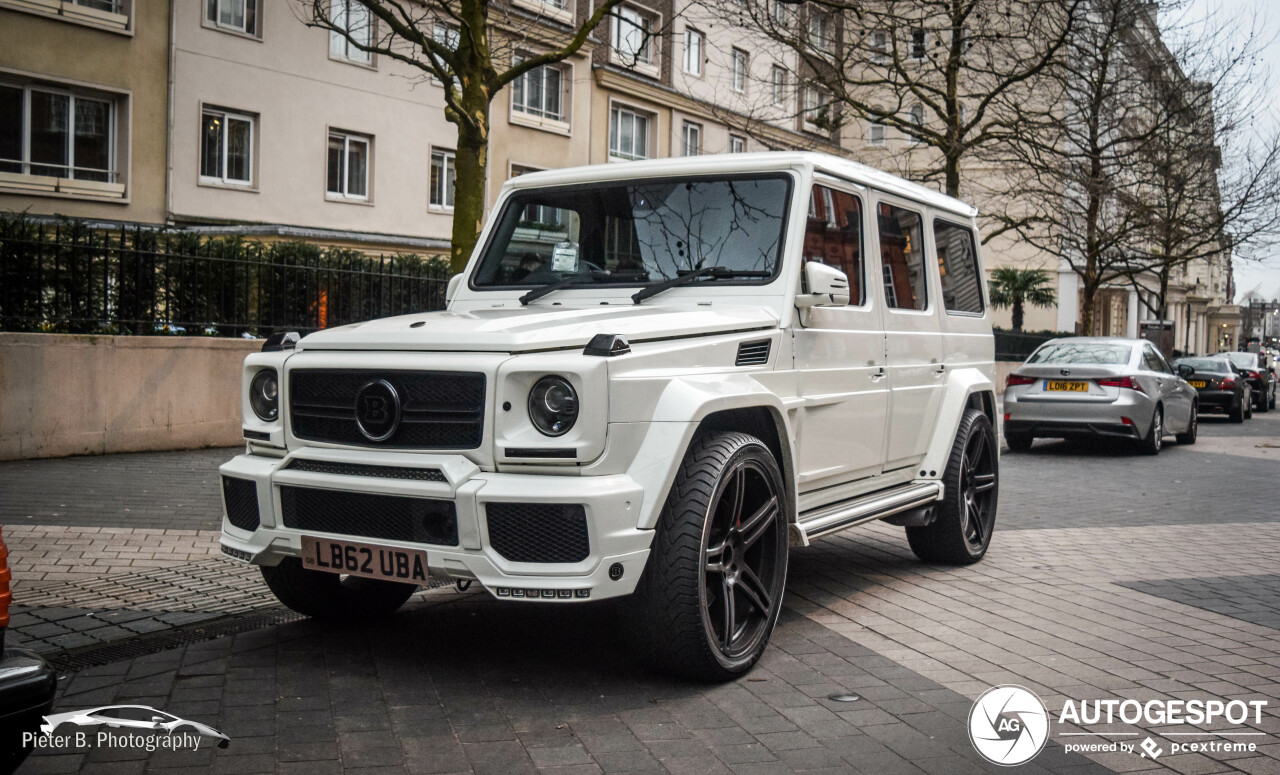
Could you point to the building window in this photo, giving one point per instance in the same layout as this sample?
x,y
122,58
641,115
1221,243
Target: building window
x,y
444,173
57,134
875,134
348,167
778,85
353,18
633,36
541,217
691,138
917,43
879,47
235,15
820,31
628,134
447,37
226,148
540,92
781,14
816,107
917,119
738,70
737,144
693,45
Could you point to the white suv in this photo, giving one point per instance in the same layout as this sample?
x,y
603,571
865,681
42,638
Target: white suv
x,y
652,379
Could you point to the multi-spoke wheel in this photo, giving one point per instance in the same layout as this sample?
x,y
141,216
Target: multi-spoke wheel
x,y
1151,443
712,589
967,513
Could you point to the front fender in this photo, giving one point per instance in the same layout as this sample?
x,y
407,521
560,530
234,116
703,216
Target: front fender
x,y
962,384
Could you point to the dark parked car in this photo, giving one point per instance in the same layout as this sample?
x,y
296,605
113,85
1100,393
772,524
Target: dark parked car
x,y
1221,387
27,684
1261,376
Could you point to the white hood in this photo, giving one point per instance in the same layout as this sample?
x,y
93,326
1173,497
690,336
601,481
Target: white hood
x,y
524,329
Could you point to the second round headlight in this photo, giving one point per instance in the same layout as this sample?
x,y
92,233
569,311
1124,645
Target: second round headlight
x,y
264,395
553,406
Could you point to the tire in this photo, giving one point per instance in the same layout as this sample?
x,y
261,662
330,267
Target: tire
x,y
678,617
1150,445
1248,410
1264,404
1237,414
1019,442
1272,403
330,596
1188,437
967,513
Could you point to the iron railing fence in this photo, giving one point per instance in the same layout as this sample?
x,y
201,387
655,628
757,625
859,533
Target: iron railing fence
x,y
1018,345
76,278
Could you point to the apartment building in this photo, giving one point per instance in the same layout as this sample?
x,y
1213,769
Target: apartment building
x,y
83,96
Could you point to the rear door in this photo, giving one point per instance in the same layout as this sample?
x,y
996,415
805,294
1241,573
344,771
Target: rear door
x,y
913,339
1175,394
839,351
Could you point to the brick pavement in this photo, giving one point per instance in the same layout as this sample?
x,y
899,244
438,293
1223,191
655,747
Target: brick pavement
x,y
1112,596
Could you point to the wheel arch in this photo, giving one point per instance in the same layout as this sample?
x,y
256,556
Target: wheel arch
x,y
768,425
968,388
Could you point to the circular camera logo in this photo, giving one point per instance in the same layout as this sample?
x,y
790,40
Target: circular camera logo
x,y
1008,725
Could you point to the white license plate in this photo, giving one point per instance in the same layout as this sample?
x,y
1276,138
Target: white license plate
x,y
408,566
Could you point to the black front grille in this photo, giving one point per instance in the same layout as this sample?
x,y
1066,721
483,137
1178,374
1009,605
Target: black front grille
x,y
538,532
241,498
439,409
356,469
365,515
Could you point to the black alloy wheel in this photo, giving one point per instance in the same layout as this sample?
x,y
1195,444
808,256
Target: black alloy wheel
x,y
967,514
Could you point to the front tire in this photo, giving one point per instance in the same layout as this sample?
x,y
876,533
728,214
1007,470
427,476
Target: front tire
x,y
1188,437
962,532
711,592
330,596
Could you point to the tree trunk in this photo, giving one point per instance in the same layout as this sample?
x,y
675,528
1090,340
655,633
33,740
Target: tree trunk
x,y
1017,315
468,199
1088,309
951,167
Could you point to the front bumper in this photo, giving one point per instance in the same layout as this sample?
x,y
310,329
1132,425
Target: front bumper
x,y
612,505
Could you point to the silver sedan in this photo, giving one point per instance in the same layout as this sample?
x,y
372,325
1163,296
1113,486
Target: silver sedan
x,y
1098,387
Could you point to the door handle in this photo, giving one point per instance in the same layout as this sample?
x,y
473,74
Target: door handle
x,y
879,373
940,368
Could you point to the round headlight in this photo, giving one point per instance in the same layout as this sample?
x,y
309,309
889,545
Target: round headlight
x,y
264,393
553,406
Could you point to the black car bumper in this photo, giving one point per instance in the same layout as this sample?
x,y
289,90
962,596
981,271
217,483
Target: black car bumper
x,y
1219,400
1069,430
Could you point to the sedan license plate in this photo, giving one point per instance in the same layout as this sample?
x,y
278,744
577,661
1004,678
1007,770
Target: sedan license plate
x,y
408,566
1198,383
1069,387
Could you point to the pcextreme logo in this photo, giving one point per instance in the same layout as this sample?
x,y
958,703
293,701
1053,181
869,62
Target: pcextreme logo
x,y
1009,725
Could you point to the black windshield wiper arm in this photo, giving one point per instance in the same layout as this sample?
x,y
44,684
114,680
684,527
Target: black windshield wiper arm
x,y
573,279
714,272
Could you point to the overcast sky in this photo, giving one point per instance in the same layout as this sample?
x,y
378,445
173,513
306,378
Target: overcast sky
x,y
1250,274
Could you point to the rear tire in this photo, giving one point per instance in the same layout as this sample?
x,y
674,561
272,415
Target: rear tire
x,y
1248,410
967,513
1019,442
712,589
1155,434
1188,437
1237,414
330,596
1264,404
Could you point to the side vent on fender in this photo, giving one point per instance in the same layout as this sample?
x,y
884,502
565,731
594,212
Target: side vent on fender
x,y
753,353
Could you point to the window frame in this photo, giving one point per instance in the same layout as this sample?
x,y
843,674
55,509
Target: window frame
x,y
918,210
872,126
739,58
215,24
827,39
977,267
561,124
738,140
650,131
778,86
549,9
450,156
880,48
653,64
223,181
344,195
834,186
692,33
805,110
911,44
347,46
117,117
688,127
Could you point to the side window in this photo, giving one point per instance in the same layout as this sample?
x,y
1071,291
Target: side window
x,y
1164,364
958,267
1150,360
833,236
902,257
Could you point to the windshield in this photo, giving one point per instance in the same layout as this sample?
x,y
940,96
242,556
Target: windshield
x,y
1082,352
641,231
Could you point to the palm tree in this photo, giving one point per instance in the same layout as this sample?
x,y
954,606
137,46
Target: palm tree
x,y
1012,287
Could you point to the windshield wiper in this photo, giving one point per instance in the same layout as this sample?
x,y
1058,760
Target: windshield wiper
x,y
563,282
713,272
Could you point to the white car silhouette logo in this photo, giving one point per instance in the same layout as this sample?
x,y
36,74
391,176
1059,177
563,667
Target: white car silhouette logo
x,y
131,717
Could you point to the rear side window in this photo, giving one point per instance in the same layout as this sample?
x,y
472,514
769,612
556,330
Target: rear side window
x,y
833,236
958,267
902,257
1151,360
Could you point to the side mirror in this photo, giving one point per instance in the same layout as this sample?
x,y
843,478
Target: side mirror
x,y
1185,370
828,287
452,288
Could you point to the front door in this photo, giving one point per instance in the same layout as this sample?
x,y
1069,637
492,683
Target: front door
x,y
839,352
913,339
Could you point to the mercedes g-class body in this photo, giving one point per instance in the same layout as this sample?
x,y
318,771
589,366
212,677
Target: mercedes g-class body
x,y
652,380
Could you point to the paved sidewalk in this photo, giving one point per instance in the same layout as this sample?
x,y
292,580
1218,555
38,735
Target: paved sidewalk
x,y
1112,576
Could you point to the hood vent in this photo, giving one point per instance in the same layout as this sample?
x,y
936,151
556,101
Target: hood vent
x,y
753,353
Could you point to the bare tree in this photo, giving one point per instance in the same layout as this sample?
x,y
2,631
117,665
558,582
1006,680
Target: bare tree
x,y
468,47
933,70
